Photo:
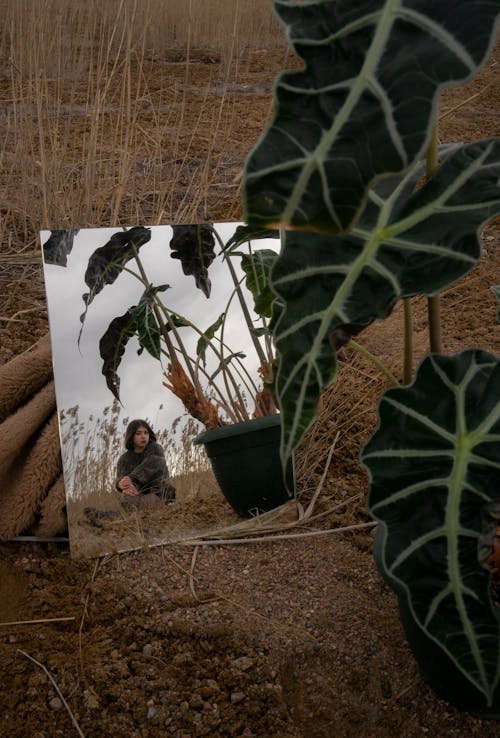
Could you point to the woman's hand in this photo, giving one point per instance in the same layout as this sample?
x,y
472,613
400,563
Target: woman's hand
x,y
128,487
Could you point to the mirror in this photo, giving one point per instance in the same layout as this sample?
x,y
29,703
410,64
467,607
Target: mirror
x,y
158,325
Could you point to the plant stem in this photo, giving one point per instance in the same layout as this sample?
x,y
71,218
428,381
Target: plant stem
x,y
433,306
408,341
244,306
434,318
163,328
373,359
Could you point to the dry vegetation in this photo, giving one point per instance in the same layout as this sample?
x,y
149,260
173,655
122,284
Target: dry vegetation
x,y
126,112
122,112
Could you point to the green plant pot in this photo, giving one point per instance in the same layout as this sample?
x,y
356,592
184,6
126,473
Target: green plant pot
x,y
246,462
436,667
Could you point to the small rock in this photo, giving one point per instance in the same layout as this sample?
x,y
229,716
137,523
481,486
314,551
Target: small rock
x,y
243,663
55,703
151,712
196,702
237,697
147,651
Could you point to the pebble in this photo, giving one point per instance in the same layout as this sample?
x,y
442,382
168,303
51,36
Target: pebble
x,y
55,703
243,663
237,697
147,651
151,712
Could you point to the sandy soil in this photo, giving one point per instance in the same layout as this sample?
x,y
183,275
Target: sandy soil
x,y
290,638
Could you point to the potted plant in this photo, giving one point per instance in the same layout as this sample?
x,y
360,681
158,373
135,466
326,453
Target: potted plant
x,y
211,380
375,212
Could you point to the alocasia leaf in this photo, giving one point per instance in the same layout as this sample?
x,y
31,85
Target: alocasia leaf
x,y
434,465
227,360
107,262
205,339
194,246
245,233
362,106
140,321
405,243
58,246
257,266
146,324
112,347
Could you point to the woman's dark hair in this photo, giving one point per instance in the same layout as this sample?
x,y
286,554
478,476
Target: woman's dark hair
x,y
131,429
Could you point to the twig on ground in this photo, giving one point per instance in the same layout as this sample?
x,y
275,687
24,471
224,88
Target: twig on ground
x,y
84,613
54,683
335,507
310,507
191,574
38,622
270,538
468,100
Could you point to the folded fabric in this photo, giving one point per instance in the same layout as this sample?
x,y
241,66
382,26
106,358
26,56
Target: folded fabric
x,y
31,484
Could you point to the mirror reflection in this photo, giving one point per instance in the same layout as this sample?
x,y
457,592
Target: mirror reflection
x,y
162,349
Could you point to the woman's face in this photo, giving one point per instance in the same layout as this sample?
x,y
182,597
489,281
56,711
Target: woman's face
x,y
141,438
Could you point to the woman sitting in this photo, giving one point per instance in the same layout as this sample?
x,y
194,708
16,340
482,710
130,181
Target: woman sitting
x,y
141,474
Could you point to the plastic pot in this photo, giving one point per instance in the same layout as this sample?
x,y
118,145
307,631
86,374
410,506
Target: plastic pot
x,y
246,462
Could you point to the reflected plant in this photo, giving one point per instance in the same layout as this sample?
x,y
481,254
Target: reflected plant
x,y
347,167
214,396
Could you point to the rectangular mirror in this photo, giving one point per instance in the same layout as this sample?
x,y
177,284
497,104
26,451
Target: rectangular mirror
x,y
158,335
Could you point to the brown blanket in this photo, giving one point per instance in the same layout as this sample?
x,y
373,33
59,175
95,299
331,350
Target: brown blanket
x,y
31,484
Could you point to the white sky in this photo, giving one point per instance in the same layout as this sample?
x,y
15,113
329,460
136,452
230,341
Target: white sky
x,y
78,376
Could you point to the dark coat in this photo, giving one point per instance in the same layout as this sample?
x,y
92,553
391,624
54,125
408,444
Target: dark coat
x,y
148,471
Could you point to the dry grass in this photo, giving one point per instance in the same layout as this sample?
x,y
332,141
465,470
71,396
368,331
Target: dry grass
x,y
121,112
97,131
91,450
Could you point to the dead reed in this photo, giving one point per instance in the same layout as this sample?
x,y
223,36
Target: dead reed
x,y
91,449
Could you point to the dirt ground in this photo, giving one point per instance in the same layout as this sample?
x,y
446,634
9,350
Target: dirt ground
x,y
293,638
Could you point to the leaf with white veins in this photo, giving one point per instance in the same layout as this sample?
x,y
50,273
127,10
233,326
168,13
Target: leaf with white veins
x,y
405,243
362,106
434,465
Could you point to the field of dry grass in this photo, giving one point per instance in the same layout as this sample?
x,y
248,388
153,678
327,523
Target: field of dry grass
x,y
120,113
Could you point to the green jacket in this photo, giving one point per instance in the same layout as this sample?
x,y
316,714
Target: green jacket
x,y
148,470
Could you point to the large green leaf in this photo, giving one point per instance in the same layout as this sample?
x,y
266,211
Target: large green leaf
x,y
207,336
112,347
146,324
434,465
58,247
194,246
107,262
139,320
245,233
257,266
406,242
362,106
